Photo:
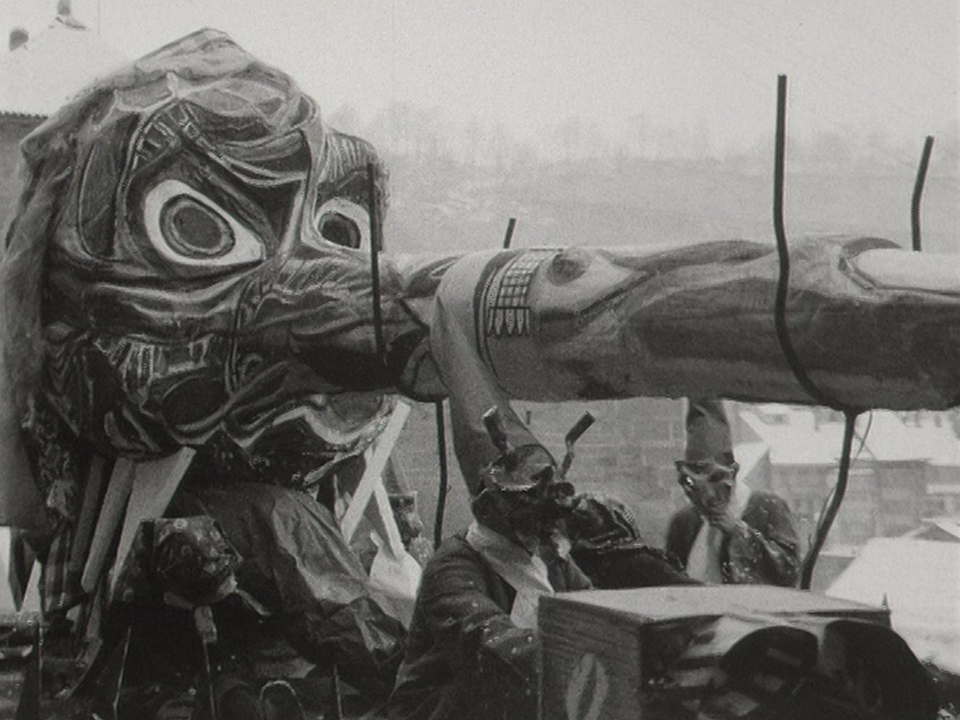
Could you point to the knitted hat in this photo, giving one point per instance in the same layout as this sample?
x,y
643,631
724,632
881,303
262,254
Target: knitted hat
x,y
708,432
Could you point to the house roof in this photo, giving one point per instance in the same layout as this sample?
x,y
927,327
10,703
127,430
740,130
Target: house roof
x,y
795,438
749,456
792,435
920,580
890,439
946,528
50,68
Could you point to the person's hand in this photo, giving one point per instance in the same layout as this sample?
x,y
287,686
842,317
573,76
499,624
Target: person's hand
x,y
722,519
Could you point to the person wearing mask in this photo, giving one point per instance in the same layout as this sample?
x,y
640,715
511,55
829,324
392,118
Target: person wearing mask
x,y
607,545
728,533
472,650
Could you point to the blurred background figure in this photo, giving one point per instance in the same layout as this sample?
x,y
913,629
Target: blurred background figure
x,y
728,533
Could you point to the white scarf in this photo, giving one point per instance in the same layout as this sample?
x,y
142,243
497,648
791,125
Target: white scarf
x,y
704,561
525,573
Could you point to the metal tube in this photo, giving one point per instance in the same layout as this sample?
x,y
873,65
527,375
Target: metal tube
x,y
375,242
783,253
823,527
918,192
508,237
444,476
779,158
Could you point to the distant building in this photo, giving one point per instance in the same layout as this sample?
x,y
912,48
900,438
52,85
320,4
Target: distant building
x,y
942,529
895,466
37,76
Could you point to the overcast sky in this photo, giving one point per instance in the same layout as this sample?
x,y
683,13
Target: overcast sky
x,y
853,65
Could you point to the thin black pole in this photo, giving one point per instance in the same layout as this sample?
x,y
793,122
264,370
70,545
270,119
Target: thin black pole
x,y
337,694
918,192
783,254
444,475
209,690
790,353
375,241
779,158
823,527
508,237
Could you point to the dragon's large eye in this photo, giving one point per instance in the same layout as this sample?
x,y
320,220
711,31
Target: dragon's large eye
x,y
188,228
344,223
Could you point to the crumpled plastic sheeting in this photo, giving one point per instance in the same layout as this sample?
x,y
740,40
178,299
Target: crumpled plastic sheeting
x,y
358,637
297,564
294,555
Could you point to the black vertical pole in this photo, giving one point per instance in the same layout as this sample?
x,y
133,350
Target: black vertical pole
x,y
918,192
444,476
823,527
779,158
375,241
780,322
508,237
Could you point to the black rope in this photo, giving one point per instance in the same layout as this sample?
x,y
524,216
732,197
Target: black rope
x,y
823,527
918,192
444,476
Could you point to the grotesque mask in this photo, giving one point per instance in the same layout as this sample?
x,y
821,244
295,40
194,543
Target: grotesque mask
x,y
205,242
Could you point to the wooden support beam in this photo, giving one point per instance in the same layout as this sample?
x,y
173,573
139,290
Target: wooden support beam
x,y
376,457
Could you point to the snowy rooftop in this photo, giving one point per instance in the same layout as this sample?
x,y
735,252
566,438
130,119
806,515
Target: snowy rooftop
x,y
39,76
921,582
944,528
796,438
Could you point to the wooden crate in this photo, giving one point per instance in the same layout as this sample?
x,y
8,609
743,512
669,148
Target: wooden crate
x,y
613,654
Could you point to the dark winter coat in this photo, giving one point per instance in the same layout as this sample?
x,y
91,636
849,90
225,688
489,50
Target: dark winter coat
x,y
763,549
465,659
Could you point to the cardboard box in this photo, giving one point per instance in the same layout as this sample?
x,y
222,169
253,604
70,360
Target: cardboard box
x,y
652,652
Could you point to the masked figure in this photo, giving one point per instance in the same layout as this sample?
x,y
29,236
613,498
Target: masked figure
x,y
473,647
729,533
607,545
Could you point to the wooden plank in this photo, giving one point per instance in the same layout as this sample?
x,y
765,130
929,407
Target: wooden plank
x,y
387,524
111,514
154,483
376,457
87,520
